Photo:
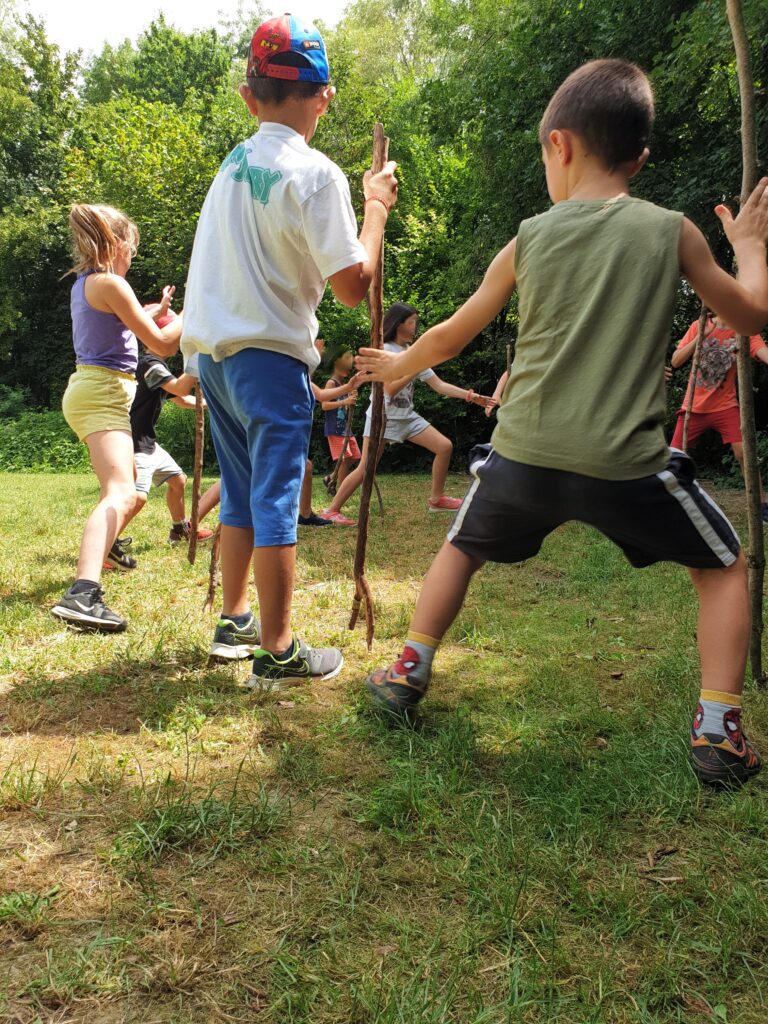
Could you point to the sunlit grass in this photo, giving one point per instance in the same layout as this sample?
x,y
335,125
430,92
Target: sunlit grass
x,y
535,849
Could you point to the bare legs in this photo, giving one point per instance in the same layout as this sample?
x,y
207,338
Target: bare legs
x,y
738,453
431,439
442,448
111,453
445,587
723,627
351,482
175,500
723,624
305,497
273,573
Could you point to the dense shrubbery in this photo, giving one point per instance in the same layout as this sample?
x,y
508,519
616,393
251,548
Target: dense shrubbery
x,y
41,441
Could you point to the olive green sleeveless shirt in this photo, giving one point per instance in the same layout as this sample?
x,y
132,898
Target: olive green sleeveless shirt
x,y
597,281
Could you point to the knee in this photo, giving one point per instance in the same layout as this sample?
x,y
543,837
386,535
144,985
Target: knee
x,y
124,497
177,483
139,501
445,448
735,574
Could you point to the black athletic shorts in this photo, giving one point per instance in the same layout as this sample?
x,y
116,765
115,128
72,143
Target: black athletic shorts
x,y
511,507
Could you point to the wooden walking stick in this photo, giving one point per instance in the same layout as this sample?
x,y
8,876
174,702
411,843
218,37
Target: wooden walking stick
x,y
756,553
694,373
363,594
213,570
199,434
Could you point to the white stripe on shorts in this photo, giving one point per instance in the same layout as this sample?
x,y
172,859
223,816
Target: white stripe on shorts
x,y
456,526
697,517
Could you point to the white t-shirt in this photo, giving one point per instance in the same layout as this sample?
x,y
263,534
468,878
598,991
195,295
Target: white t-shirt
x,y
400,407
276,224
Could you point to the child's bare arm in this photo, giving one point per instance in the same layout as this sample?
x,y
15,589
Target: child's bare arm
x,y
330,394
446,340
186,402
442,387
119,297
683,354
180,386
498,393
743,302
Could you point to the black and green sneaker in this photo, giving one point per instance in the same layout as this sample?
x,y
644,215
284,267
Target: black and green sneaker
x,y
235,643
118,557
303,663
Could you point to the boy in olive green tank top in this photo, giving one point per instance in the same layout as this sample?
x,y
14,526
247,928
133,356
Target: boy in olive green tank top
x,y
579,432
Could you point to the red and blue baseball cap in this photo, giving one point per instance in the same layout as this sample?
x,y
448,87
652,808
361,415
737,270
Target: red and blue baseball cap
x,y
286,34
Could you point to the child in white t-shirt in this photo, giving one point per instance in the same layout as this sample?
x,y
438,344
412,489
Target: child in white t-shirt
x,y
277,224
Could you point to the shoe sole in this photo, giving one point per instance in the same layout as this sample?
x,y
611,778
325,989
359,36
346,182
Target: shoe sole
x,y
122,568
430,509
88,621
226,652
724,775
392,707
259,684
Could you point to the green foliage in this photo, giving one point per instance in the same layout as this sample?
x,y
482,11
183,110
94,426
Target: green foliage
x,y
460,88
41,442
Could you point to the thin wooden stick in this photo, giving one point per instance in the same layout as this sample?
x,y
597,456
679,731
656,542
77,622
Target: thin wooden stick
x,y
509,358
756,552
213,574
199,435
363,596
694,373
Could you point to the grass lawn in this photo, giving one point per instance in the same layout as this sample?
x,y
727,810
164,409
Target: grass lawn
x,y
534,850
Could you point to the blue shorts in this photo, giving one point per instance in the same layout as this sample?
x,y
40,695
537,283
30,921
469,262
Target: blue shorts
x,y
260,404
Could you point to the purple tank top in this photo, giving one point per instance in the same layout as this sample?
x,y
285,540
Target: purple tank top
x,y
100,339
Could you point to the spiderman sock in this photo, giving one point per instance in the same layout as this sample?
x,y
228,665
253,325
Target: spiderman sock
x,y
416,659
717,715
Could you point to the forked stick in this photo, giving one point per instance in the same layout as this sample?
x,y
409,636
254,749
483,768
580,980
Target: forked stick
x,y
213,570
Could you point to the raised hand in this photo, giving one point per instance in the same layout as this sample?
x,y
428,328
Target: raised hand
x,y
751,224
383,185
166,300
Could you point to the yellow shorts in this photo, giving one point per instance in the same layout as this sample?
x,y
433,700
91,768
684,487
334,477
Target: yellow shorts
x,y
98,399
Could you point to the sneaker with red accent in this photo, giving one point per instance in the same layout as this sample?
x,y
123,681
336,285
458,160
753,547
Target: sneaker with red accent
x,y
183,530
723,760
337,518
444,504
397,689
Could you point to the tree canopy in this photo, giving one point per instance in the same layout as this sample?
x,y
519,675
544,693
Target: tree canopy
x,y
460,87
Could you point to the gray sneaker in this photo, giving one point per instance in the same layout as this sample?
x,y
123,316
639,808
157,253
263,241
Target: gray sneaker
x,y
301,665
235,643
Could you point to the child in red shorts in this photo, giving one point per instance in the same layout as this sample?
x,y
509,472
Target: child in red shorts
x,y
715,404
337,412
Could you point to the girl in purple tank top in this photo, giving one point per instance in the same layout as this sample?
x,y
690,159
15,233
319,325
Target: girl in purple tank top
x,y
107,318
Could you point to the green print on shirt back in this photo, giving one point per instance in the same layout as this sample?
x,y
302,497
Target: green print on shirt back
x,y
260,179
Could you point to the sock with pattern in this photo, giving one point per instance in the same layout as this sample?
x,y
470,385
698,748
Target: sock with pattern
x,y
717,715
417,656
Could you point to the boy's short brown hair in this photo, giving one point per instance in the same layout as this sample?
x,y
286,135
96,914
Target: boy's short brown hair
x,y
608,104
278,90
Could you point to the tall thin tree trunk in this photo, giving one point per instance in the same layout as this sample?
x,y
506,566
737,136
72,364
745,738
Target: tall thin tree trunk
x,y
756,552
